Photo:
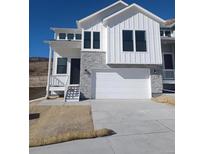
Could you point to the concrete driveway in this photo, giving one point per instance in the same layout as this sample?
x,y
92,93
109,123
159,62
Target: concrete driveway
x,y
142,127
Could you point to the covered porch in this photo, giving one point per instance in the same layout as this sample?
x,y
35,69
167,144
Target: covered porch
x,y
168,56
64,66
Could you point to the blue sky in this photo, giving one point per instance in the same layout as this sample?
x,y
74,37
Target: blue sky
x,y
44,14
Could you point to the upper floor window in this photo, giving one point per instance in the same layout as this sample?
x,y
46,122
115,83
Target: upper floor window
x,y
62,36
91,37
161,33
87,40
70,36
140,39
127,40
78,36
168,33
61,65
168,61
96,40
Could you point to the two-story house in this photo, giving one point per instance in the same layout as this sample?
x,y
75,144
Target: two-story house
x,y
115,53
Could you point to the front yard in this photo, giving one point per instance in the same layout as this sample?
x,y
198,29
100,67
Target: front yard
x,y
62,123
168,99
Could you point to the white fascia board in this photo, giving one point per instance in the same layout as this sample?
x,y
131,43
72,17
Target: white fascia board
x,y
167,26
74,30
140,9
94,14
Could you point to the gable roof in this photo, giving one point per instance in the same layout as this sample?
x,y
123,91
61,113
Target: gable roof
x,y
138,8
170,23
102,10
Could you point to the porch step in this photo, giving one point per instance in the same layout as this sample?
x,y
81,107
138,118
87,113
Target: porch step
x,y
72,93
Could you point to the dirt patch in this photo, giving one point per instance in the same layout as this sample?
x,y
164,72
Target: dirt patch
x,y
38,71
165,99
62,123
38,68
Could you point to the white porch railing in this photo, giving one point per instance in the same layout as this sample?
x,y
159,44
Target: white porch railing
x,y
59,80
168,74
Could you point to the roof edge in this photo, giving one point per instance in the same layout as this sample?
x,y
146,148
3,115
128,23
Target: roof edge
x,y
146,12
109,6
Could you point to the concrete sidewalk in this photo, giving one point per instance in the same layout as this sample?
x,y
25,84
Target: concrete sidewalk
x,y
142,127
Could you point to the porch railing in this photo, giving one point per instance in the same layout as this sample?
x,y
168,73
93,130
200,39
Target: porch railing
x,y
59,80
168,74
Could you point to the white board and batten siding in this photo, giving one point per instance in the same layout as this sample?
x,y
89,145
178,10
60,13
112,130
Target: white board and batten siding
x,y
122,83
94,24
137,21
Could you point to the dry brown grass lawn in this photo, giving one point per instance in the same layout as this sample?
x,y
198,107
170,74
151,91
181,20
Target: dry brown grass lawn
x,y
164,99
62,123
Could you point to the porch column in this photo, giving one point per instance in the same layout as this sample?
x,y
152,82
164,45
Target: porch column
x,y
49,71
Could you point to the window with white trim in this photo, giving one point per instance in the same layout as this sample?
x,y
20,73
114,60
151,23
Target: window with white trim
x,y
91,40
128,38
87,40
140,39
78,36
62,36
70,36
61,65
96,40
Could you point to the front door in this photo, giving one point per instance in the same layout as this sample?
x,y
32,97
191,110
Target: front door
x,y
75,71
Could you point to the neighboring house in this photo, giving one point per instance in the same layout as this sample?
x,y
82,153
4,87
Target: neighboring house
x,y
168,54
115,53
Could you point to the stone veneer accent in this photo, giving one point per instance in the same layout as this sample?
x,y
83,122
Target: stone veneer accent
x,y
90,60
97,60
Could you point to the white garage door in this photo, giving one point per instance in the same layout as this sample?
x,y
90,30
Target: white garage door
x,y
122,83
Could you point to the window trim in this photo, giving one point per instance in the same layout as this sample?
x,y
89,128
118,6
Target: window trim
x,y
66,66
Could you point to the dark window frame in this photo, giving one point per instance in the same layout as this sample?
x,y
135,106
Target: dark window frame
x,y
61,67
161,33
127,42
140,43
168,63
60,34
78,38
167,33
88,40
96,41
70,34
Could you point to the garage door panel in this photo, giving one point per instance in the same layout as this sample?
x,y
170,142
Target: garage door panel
x,y
121,95
120,87
120,76
126,83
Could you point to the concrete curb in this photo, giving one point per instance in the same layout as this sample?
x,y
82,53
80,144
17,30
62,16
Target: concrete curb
x,y
38,99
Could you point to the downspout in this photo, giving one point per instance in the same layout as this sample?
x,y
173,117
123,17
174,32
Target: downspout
x,y
49,72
